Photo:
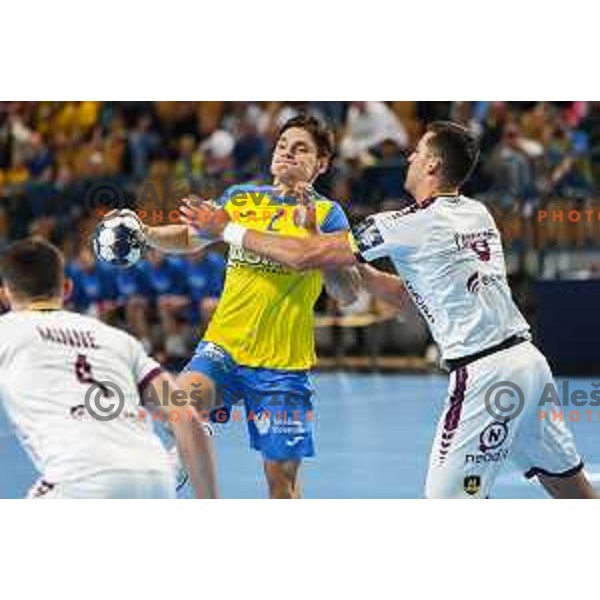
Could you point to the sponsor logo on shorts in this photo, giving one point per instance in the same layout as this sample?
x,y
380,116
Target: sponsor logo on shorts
x,y
493,436
213,352
472,484
267,425
293,428
490,440
294,441
263,423
487,457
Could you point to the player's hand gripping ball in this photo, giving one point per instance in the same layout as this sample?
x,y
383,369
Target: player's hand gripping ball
x,y
119,238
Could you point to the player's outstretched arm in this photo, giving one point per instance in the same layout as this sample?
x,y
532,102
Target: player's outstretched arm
x,y
179,238
173,238
169,238
384,286
325,251
193,443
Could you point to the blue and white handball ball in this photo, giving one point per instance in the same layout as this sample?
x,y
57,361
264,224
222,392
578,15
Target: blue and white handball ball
x,y
119,239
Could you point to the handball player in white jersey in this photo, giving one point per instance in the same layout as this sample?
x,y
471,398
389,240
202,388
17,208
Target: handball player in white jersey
x,y
448,253
50,361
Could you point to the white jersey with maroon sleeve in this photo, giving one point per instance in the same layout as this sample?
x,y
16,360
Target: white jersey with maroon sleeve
x,y
49,360
449,254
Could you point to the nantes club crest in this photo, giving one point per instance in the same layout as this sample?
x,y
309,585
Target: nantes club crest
x,y
472,484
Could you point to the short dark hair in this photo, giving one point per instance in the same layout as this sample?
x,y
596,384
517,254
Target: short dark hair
x,y
321,134
33,269
457,149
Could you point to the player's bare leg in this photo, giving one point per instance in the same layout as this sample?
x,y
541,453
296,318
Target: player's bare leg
x,y
297,490
574,487
200,389
282,478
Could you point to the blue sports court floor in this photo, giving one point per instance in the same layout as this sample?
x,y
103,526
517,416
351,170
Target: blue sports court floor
x,y
373,439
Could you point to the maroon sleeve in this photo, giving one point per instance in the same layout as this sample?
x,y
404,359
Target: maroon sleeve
x,y
147,380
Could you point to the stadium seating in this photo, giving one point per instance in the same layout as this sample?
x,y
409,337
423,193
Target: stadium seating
x,y
148,154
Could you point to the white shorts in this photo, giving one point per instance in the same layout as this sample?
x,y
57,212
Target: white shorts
x,y
476,436
113,484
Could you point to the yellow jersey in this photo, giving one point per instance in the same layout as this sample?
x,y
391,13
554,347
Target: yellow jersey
x,y
265,317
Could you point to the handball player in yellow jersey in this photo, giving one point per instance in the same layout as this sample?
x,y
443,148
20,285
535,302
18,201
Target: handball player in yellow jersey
x,y
259,345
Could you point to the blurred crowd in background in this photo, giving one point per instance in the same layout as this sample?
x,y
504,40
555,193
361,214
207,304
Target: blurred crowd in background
x,y
534,156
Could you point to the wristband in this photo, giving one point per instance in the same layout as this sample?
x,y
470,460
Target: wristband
x,y
233,234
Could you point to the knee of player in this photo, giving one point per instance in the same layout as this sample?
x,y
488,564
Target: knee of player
x,y
199,388
281,474
281,487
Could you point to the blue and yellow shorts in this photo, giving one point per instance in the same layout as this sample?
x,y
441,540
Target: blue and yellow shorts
x,y
278,403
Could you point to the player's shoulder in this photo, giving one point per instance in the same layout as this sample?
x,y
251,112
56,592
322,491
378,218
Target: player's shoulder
x,y
466,208
15,331
327,203
8,321
124,348
411,215
21,323
471,203
15,320
330,213
75,319
460,202
112,335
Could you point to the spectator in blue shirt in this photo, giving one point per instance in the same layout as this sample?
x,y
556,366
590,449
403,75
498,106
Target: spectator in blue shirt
x,y
168,284
94,292
40,158
134,293
205,276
